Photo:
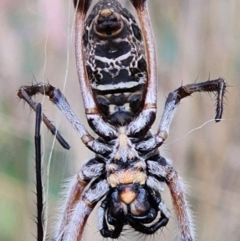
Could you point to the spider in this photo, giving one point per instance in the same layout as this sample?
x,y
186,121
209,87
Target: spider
x,y
117,71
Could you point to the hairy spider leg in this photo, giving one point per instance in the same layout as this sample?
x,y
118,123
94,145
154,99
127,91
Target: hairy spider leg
x,y
25,92
147,116
117,222
71,216
39,184
95,120
57,98
176,187
172,103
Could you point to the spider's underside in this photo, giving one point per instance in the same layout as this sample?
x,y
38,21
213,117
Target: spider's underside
x,y
117,73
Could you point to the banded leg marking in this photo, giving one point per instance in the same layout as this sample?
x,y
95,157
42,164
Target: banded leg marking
x,y
57,98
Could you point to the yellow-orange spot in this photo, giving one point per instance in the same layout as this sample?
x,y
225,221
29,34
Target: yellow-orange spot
x,y
128,196
127,177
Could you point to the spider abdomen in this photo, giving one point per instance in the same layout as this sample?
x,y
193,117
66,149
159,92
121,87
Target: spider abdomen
x,y
115,62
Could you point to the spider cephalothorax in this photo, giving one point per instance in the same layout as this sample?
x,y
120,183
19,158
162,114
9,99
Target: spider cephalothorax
x,y
130,199
116,67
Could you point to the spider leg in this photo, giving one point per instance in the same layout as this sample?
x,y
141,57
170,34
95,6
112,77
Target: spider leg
x,y
25,92
171,105
162,170
174,98
156,205
117,221
90,170
94,118
183,213
57,98
146,26
88,99
148,218
161,222
148,114
39,185
74,230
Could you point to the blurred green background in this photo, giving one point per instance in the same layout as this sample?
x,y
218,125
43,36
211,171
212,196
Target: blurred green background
x,y
196,41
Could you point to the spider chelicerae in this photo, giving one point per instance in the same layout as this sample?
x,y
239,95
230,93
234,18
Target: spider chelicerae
x,y
116,67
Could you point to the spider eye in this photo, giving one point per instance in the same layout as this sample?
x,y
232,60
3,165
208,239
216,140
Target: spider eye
x,y
108,23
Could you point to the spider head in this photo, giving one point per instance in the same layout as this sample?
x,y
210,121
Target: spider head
x,y
131,200
128,181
